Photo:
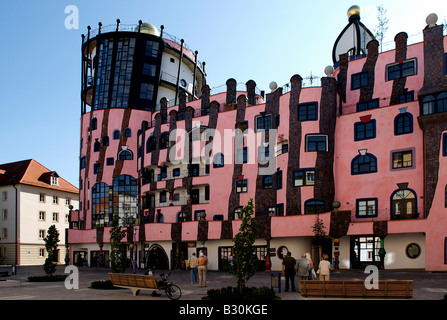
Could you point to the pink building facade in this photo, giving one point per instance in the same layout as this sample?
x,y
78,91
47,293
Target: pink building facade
x,y
365,152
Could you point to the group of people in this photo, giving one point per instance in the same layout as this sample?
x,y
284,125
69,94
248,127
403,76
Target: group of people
x,y
198,268
304,268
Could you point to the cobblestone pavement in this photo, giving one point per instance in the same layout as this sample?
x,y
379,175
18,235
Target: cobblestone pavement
x,y
427,285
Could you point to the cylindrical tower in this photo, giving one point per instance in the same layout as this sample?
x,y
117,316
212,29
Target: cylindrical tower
x,y
126,71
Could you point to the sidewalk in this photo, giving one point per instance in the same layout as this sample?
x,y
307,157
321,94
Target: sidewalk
x,y
427,285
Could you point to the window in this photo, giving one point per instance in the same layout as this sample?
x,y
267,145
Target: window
x,y
164,141
359,80
276,211
116,135
124,200
307,111
151,49
316,142
263,122
403,124
110,161
4,214
41,215
218,160
267,182
4,234
127,132
42,197
105,141
413,251
41,234
314,206
146,91
401,70
242,155
55,200
149,70
67,201
241,186
406,97
304,177
125,155
163,197
151,144
278,177
181,217
176,172
5,196
263,154
403,204
368,105
434,103
96,146
55,216
94,124
82,163
364,131
96,168
364,164
366,208
238,213
402,159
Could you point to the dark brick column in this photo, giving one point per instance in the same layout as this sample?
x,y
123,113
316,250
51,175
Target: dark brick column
x,y
231,91
251,94
205,102
401,54
293,206
324,168
366,93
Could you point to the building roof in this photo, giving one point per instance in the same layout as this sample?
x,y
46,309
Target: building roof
x,y
31,172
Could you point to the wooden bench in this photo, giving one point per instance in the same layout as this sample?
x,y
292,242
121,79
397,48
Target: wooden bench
x,y
134,282
356,288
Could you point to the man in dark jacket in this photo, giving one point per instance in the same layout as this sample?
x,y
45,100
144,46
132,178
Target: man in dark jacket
x,y
289,270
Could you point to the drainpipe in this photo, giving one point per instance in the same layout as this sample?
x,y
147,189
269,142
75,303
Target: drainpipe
x,y
178,73
16,261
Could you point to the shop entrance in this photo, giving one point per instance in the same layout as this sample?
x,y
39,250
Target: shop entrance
x,y
179,254
364,251
156,258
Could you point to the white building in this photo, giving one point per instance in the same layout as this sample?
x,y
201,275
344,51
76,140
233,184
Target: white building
x,y
32,199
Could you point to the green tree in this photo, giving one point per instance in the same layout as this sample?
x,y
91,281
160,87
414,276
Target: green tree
x,y
117,256
244,253
51,241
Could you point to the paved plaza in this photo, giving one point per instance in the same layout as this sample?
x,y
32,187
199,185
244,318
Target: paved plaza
x,y
427,285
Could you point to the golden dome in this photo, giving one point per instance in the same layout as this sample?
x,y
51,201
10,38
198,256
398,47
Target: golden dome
x,y
353,10
149,29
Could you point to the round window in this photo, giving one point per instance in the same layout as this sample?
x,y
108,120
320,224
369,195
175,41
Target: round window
x,y
282,251
413,251
183,83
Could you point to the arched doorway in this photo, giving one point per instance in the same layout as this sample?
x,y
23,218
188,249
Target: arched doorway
x,y
156,258
403,205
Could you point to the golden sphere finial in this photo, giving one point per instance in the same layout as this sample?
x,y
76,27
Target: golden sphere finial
x,y
355,9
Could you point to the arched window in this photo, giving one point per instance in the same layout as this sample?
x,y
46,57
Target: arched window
x,y
105,141
403,202
116,135
101,210
364,164
96,146
127,132
428,105
125,155
403,124
181,217
160,218
125,189
164,141
314,206
94,124
238,213
267,182
218,160
151,144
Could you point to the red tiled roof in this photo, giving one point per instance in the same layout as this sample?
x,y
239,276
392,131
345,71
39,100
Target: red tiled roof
x,y
31,172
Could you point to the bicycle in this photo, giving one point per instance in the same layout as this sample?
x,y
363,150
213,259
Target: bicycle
x,y
172,290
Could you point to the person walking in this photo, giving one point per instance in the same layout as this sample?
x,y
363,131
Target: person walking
x,y
312,274
289,270
193,268
324,268
303,268
202,263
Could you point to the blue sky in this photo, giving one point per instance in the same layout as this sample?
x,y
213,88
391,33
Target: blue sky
x,y
247,39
